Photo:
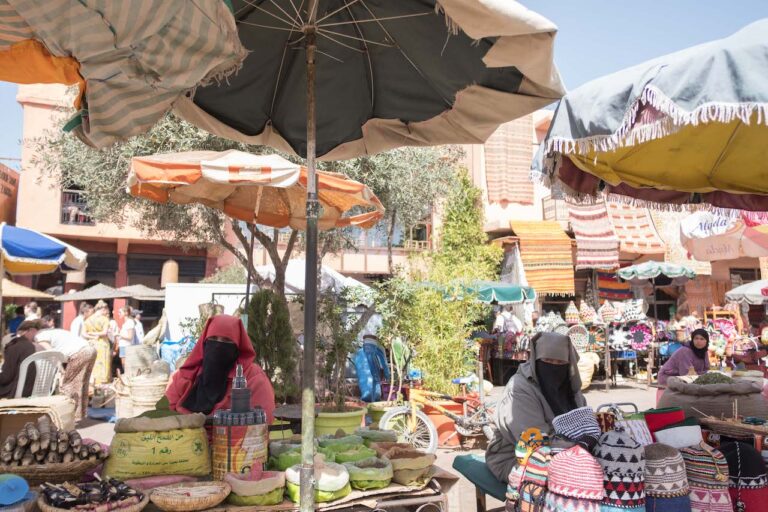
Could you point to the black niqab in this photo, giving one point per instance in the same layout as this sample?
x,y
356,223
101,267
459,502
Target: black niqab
x,y
555,384
211,385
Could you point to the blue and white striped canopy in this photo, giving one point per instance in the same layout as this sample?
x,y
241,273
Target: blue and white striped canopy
x,y
25,251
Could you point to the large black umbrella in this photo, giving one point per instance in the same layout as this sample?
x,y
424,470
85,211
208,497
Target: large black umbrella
x,y
345,78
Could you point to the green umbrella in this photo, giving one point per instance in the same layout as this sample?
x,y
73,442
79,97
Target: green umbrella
x,y
650,270
487,291
501,293
637,274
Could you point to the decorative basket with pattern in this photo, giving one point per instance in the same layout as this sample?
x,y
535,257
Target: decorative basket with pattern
x,y
579,336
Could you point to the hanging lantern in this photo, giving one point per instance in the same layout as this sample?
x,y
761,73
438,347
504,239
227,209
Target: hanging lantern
x,y
170,273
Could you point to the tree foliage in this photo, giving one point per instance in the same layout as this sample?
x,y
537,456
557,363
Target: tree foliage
x,y
408,181
425,312
231,274
464,252
269,327
101,176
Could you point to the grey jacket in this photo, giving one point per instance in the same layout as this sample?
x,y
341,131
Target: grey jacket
x,y
521,407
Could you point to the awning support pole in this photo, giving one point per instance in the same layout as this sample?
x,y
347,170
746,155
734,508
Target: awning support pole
x,y
307,496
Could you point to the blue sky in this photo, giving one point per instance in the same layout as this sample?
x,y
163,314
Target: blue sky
x,y
596,37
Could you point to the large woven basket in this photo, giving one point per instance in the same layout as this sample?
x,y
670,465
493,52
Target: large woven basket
x,y
170,503
53,473
44,507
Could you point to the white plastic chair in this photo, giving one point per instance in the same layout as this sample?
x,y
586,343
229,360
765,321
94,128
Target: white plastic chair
x,y
48,367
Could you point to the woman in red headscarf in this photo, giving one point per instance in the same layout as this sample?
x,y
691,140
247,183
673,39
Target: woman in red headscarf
x,y
204,382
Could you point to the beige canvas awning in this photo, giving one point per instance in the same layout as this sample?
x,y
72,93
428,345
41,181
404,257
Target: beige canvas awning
x,y
13,290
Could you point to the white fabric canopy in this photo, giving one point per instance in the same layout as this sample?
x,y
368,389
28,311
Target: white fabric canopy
x,y
330,280
750,293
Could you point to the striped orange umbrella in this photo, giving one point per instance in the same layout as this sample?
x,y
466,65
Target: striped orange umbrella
x,y
261,189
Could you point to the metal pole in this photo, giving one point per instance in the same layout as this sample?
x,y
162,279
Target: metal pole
x,y
307,501
250,266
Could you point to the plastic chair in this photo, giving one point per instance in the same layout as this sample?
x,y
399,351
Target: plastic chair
x,y
48,367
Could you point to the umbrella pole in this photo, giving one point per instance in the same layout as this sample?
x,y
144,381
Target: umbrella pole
x,y
307,491
250,266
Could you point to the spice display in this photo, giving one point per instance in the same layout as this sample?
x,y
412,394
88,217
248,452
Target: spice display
x,y
43,443
713,378
103,495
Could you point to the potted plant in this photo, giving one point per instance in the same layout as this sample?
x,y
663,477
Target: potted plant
x,y
336,336
269,328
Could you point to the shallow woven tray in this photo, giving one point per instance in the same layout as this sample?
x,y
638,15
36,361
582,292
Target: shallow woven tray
x,y
44,507
190,503
732,428
37,474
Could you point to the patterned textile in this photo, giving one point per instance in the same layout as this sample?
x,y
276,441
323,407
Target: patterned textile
x,y
536,469
636,427
710,500
597,245
532,498
702,292
635,229
76,378
606,420
557,503
547,256
623,462
705,467
576,474
665,475
748,482
611,288
571,314
508,162
607,312
668,226
135,65
577,423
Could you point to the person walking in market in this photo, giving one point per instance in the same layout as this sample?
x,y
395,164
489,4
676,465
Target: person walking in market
x,y
95,330
545,386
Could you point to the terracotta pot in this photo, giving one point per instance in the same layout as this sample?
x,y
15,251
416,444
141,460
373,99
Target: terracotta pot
x,y
446,428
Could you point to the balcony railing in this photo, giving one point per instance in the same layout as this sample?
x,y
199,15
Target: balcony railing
x,y
74,210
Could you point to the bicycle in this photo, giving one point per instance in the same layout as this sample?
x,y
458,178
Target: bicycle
x,y
414,427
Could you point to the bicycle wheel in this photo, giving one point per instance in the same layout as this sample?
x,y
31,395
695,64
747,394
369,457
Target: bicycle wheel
x,y
424,434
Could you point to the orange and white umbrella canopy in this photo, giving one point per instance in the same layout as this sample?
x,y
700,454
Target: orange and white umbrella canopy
x,y
260,189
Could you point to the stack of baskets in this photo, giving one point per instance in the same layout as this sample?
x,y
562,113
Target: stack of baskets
x,y
142,386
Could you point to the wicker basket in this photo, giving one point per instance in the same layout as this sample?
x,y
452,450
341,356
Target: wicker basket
x,y
732,428
123,402
53,473
44,507
180,503
145,393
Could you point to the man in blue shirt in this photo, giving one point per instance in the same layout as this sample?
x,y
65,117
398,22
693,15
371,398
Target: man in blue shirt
x,y
15,322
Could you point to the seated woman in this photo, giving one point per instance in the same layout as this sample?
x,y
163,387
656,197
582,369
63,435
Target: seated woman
x,y
15,352
693,356
545,386
204,382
